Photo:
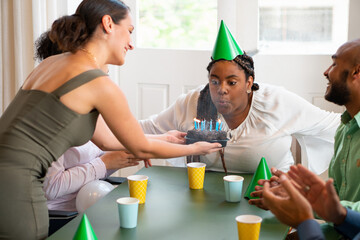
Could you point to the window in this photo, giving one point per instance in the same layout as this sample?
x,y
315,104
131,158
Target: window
x,y
288,24
303,25
177,24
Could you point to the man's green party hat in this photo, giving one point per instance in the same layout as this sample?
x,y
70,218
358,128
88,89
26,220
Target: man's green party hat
x,y
225,46
262,172
85,231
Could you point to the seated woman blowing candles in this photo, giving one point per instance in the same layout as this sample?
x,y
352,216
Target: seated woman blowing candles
x,y
260,118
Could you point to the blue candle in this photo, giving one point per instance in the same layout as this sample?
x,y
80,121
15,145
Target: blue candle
x,y
220,126
210,125
196,123
217,126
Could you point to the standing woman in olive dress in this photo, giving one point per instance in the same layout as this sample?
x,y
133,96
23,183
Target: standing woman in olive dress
x,y
58,107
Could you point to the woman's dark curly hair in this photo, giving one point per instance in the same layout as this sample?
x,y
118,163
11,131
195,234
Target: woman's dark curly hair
x,y
45,47
69,33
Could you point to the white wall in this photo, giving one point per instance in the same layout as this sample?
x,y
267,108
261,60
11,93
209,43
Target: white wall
x,y
354,19
301,74
175,71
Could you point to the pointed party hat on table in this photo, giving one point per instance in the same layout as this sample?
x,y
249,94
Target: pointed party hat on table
x,y
85,231
262,172
225,46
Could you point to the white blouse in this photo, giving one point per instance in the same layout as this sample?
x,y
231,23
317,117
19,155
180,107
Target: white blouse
x,y
275,116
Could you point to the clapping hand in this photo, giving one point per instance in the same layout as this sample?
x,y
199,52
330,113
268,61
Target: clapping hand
x,y
291,208
274,187
321,195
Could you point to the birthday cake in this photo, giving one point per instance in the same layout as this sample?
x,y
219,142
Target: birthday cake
x,y
196,135
206,135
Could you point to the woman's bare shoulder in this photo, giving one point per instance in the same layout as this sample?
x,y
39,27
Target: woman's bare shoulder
x,y
54,71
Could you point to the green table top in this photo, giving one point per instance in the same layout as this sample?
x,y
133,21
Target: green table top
x,y
173,211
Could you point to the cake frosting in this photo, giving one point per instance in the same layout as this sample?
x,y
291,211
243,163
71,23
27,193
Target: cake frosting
x,y
206,135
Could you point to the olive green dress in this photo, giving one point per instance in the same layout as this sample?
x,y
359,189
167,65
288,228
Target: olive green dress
x,y
35,130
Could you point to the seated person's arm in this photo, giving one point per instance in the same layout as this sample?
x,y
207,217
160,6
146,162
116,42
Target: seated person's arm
x,y
350,227
292,209
106,140
85,168
310,229
60,181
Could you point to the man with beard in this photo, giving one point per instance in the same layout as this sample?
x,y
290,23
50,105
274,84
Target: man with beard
x,y
344,89
287,203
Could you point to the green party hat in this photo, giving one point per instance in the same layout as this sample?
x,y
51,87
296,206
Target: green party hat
x,y
85,231
226,46
262,172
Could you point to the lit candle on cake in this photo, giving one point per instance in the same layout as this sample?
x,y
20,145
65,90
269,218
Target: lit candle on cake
x,y
196,123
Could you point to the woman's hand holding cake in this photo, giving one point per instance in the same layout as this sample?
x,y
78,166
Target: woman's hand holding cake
x,y
203,148
174,136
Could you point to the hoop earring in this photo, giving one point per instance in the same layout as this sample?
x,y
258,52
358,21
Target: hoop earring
x,y
248,91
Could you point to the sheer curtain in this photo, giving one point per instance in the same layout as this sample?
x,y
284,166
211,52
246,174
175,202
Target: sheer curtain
x,y
21,23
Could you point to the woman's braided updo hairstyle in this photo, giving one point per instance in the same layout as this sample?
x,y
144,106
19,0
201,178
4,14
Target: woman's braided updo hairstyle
x,y
206,108
245,63
69,33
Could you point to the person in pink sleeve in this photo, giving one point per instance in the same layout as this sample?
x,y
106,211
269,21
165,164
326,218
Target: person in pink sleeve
x,y
79,166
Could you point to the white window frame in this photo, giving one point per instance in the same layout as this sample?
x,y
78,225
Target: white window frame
x,y
242,18
339,26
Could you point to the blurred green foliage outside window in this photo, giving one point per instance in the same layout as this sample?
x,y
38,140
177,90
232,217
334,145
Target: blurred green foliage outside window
x,y
177,24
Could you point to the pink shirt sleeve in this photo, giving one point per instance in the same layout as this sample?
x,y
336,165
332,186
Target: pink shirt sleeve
x,y
75,168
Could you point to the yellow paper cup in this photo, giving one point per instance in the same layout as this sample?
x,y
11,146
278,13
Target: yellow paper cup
x,y
137,187
248,226
196,174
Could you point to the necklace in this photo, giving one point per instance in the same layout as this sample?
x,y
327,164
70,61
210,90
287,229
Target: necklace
x,y
92,57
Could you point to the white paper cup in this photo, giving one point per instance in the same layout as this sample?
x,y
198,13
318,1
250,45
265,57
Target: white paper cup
x,y
233,187
128,211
